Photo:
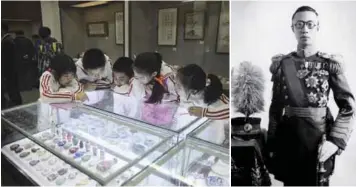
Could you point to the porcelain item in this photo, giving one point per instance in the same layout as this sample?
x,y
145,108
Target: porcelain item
x,y
14,147
24,154
34,162
18,150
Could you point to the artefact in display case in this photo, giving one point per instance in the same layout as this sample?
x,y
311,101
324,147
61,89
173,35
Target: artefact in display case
x,y
96,144
191,163
213,131
168,115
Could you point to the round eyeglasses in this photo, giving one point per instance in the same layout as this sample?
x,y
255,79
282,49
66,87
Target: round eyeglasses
x,y
301,24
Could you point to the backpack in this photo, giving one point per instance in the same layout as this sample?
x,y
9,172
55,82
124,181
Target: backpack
x,y
46,51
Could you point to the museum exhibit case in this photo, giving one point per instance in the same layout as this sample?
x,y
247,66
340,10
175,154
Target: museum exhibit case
x,y
191,163
213,131
62,139
167,115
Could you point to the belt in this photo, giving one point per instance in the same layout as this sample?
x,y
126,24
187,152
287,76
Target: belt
x,y
315,113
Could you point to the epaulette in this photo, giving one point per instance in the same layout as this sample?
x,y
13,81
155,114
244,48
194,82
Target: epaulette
x,y
276,63
336,62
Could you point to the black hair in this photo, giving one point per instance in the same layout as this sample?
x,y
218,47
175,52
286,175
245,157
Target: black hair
x,y
149,63
20,32
62,64
124,65
194,78
44,32
36,36
93,59
4,27
305,9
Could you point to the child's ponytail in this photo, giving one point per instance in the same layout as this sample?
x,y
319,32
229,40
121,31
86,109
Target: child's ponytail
x,y
213,90
149,63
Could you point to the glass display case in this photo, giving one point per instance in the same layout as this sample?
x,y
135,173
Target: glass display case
x,y
96,144
41,167
191,163
213,131
168,115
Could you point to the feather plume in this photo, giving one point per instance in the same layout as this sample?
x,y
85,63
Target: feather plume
x,y
247,88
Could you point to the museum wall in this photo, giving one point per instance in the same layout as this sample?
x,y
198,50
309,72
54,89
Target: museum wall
x,y
201,52
29,27
17,19
144,16
74,29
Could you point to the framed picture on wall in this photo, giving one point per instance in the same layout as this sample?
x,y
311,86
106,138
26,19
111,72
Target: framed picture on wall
x,y
97,29
223,35
194,25
167,26
119,27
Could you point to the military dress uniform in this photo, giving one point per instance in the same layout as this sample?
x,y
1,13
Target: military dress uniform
x,y
299,116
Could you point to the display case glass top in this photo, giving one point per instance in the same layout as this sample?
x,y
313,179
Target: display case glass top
x,y
213,131
167,115
191,163
97,144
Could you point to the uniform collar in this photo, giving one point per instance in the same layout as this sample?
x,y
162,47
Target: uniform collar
x,y
306,51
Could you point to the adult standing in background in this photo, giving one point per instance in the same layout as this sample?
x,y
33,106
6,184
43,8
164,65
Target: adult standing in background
x,y
25,57
9,80
46,49
303,138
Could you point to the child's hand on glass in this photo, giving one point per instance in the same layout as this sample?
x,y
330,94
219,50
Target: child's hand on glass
x,y
81,97
195,111
89,87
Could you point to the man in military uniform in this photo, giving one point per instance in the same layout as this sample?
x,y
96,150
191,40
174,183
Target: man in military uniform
x,y
303,138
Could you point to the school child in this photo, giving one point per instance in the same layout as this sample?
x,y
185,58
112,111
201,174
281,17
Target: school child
x,y
94,70
58,84
155,76
205,94
123,75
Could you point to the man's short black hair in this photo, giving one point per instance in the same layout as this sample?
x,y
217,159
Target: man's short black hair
x,y
20,32
93,59
124,65
305,9
44,32
35,36
4,27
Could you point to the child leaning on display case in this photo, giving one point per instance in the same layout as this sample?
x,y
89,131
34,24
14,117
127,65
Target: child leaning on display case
x,y
153,78
205,92
94,70
59,84
123,75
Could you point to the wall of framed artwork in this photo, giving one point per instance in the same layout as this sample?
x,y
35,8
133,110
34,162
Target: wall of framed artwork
x,y
97,29
223,36
167,26
194,23
119,28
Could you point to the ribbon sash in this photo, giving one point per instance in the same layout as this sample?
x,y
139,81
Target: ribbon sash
x,y
293,83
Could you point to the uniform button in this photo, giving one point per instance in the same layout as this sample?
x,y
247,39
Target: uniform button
x,y
284,87
283,78
286,97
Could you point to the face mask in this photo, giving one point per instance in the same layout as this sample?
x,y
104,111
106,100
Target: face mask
x,y
120,79
66,79
142,78
96,73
